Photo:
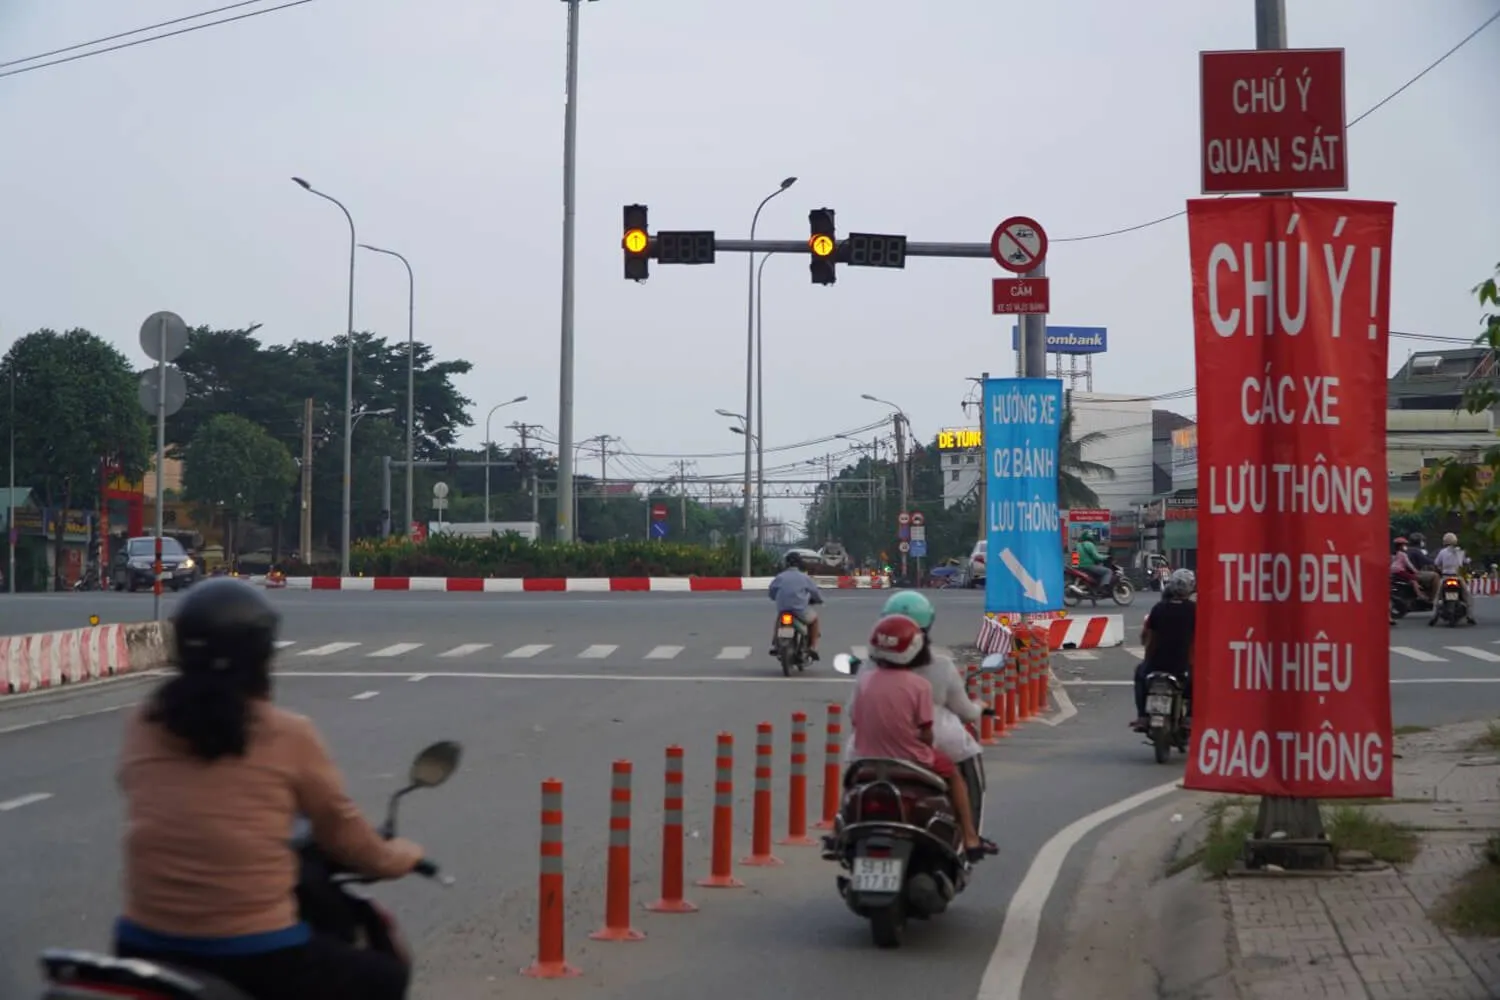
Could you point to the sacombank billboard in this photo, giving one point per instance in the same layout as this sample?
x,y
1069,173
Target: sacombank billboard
x,y
1069,339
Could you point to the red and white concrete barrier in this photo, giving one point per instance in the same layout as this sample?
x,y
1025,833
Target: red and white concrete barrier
x,y
568,585
1088,632
44,660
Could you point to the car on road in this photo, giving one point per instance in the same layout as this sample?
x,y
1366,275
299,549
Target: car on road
x,y
133,561
974,570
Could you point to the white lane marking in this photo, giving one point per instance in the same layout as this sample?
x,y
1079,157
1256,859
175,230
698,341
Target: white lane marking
x,y
658,678
527,652
1005,975
1139,652
24,800
1476,652
416,677
663,652
364,696
733,653
1078,654
397,649
1420,655
329,649
1065,707
284,643
466,649
23,726
597,652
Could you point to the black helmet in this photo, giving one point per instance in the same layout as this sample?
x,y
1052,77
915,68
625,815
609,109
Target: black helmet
x,y
794,560
224,624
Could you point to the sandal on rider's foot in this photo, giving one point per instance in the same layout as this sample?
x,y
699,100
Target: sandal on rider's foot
x,y
988,846
973,854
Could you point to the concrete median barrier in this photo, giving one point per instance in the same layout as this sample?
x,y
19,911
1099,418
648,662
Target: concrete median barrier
x,y
43,661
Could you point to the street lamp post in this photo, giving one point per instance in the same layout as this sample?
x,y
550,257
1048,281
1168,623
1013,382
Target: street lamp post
x,y
750,371
348,381
411,378
899,422
488,445
760,404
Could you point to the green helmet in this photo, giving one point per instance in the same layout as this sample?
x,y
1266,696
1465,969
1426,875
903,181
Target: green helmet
x,y
912,605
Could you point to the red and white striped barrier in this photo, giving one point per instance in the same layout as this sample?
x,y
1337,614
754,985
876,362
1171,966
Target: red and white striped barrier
x,y
48,659
994,637
1087,632
560,585
1484,586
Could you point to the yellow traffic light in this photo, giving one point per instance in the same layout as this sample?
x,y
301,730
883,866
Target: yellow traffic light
x,y
635,240
821,245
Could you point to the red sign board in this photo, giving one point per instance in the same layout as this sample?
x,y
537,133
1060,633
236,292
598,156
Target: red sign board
x,y
1020,295
1273,120
1292,691
1019,244
418,532
659,512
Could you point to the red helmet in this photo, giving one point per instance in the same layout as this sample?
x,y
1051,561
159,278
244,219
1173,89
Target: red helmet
x,y
896,640
1400,541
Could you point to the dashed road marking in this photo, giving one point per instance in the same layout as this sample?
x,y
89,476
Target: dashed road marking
x,y
364,696
1420,655
24,800
1476,652
597,652
733,653
663,652
466,649
397,649
329,649
527,652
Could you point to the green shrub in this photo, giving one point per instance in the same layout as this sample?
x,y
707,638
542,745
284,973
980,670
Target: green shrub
x,y
514,556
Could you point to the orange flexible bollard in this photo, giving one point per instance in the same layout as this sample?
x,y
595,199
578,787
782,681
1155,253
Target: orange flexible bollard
x,y
617,876
550,963
1012,701
1044,688
1039,668
796,810
833,773
760,824
987,735
721,867
671,841
1028,671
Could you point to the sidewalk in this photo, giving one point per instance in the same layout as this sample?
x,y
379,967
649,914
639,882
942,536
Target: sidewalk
x,y
1369,936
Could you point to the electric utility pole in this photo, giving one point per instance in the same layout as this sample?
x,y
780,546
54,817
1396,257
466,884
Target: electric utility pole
x,y
526,431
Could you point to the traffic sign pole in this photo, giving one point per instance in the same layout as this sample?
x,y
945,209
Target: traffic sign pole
x,y
1032,362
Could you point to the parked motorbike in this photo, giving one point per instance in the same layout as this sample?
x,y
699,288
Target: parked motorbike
x,y
1167,724
897,836
1079,586
326,897
1405,600
791,643
1451,608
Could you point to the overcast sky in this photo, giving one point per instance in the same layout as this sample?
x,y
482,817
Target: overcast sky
x,y
157,178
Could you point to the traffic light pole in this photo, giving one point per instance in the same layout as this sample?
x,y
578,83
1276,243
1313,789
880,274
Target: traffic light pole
x,y
954,250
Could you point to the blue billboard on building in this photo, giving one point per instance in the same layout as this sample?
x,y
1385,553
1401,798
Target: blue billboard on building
x,y
1023,547
1069,339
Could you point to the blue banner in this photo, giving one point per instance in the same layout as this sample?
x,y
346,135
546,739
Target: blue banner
x,y
1069,339
1024,541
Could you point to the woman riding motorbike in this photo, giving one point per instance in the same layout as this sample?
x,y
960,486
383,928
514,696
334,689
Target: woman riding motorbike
x,y
214,776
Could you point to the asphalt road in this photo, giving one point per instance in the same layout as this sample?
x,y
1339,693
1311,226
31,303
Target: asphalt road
x,y
558,713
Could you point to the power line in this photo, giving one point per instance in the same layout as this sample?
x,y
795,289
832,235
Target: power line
x,y
19,68
1367,113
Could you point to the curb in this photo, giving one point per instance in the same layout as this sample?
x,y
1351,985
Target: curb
x,y
568,585
45,661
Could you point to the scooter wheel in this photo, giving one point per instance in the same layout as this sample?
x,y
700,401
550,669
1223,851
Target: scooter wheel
x,y
886,927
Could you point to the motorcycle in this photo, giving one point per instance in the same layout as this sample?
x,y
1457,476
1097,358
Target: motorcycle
x,y
326,899
791,643
897,837
1451,608
1166,714
1079,586
1405,600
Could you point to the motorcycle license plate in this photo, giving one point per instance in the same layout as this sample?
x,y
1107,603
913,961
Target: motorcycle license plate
x,y
1158,721
785,632
1451,595
1158,704
876,875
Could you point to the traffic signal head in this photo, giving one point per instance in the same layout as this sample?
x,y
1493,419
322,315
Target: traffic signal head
x,y
636,243
823,243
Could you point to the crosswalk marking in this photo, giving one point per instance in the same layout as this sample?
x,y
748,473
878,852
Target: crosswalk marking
x,y
1139,652
329,649
1079,654
1420,655
466,649
663,652
1476,652
527,652
597,652
397,649
733,653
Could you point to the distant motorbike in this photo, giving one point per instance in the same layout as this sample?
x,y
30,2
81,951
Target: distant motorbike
x,y
1167,724
791,643
897,837
1405,600
325,897
1451,608
1079,586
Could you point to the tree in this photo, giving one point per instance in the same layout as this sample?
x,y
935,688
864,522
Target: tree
x,y
76,408
1462,486
233,466
1072,491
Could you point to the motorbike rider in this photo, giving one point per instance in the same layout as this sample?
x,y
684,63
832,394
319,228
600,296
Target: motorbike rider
x,y
1167,636
892,715
1449,561
793,590
214,775
1402,568
1422,562
1090,560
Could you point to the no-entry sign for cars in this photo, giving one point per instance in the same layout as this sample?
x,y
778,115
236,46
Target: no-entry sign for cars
x,y
1019,244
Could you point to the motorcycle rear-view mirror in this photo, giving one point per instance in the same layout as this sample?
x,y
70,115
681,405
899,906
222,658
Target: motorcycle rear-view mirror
x,y
846,664
435,765
994,663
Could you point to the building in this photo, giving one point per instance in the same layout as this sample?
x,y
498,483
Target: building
x,y
961,450
1437,380
1122,428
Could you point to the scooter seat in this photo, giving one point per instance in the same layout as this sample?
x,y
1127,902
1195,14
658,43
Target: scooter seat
x,y
77,975
871,769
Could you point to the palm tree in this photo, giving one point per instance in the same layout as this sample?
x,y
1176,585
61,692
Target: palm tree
x,y
1072,491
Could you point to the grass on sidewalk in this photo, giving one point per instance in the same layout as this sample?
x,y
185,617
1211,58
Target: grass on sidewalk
x,y
1472,906
1354,829
1231,820
1489,739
